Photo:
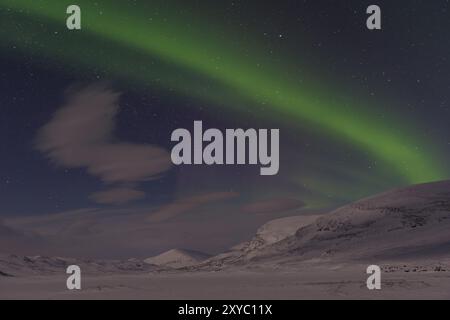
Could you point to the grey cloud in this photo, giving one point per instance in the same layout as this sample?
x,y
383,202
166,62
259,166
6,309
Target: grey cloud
x,y
188,204
80,134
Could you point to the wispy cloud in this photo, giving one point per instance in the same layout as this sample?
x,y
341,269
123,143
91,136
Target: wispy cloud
x,y
142,231
188,204
80,134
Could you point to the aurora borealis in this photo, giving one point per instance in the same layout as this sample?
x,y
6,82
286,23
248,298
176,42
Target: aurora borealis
x,y
167,41
248,66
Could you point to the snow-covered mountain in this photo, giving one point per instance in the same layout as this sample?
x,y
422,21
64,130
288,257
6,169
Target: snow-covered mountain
x,y
408,223
270,233
274,231
14,265
178,258
277,230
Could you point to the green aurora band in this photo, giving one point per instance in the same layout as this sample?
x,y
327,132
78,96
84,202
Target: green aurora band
x,y
190,57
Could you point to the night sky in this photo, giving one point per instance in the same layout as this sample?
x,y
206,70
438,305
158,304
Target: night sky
x,y
86,116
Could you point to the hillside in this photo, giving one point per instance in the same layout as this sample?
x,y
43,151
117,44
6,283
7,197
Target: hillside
x,y
403,224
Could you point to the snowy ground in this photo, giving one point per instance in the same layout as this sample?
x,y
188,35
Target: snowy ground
x,y
340,282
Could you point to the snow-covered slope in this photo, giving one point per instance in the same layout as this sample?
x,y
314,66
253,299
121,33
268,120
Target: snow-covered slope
x,y
178,258
270,233
279,229
274,231
14,265
411,222
408,223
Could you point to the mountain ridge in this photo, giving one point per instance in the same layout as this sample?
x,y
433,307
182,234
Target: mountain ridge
x,y
403,223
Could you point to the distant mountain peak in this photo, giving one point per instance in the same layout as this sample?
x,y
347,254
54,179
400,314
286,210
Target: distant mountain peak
x,y
178,258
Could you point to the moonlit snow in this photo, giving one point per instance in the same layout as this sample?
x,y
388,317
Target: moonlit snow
x,y
404,231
